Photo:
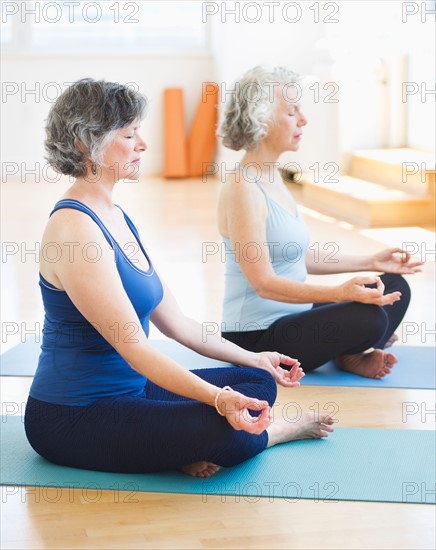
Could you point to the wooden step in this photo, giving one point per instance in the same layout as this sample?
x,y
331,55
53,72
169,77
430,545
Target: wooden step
x,y
367,204
409,170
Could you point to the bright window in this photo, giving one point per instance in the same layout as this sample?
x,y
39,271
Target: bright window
x,y
98,26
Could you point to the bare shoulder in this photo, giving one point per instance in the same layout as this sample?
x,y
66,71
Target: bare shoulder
x,y
67,223
239,196
71,236
237,185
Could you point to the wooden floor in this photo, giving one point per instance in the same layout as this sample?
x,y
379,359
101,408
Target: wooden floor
x,y
177,222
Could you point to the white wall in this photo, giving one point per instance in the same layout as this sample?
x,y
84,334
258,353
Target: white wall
x,y
23,113
420,99
361,52
360,46
238,46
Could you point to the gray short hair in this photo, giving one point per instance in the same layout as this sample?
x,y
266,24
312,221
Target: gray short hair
x,y
82,122
250,109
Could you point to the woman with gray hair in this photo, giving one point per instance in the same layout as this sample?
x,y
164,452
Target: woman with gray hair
x,y
102,397
268,304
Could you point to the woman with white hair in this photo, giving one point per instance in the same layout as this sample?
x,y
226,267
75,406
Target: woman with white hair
x,y
103,398
268,304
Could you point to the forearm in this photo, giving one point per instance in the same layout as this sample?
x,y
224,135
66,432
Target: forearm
x,y
205,339
284,290
323,263
168,374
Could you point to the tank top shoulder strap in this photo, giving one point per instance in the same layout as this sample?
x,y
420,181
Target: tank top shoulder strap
x,y
259,186
274,205
265,194
130,223
77,205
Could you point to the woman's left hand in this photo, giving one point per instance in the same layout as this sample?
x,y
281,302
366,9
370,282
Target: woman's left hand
x,y
271,360
394,260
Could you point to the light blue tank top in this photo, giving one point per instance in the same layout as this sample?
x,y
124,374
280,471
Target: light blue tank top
x,y
77,366
288,240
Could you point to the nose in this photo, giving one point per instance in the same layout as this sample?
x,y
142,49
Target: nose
x,y
141,145
302,120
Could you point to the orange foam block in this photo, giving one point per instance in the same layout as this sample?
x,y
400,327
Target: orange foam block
x,y
202,139
175,139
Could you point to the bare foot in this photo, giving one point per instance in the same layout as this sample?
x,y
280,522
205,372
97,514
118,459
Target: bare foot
x,y
200,469
391,341
375,364
308,426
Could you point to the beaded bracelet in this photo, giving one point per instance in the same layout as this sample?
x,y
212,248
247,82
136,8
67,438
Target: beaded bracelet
x,y
226,388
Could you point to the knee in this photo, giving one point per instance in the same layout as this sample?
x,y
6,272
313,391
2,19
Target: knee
x,y
397,283
372,321
267,384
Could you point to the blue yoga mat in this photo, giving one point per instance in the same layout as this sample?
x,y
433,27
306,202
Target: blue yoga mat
x,y
415,367
352,464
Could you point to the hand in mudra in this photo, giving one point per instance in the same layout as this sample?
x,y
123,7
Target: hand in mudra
x,y
271,361
395,260
236,408
355,290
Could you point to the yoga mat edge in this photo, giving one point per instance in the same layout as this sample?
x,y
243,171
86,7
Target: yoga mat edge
x,y
375,465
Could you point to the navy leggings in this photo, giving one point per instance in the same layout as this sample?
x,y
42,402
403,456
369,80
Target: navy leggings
x,y
156,431
326,331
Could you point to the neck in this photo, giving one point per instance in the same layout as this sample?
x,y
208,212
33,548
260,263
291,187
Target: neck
x,y
264,161
95,193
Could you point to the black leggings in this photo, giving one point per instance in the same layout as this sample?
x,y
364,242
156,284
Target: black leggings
x,y
156,431
329,330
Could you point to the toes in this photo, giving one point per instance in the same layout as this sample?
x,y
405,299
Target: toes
x,y
326,419
390,358
209,470
390,365
381,373
327,427
204,473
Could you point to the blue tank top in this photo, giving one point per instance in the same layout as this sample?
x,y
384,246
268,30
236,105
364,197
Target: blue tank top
x,y
77,366
288,240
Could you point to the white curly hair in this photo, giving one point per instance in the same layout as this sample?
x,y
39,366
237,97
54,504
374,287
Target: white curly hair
x,y
251,106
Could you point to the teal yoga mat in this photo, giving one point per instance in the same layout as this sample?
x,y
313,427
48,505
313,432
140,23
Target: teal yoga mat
x,y
352,464
415,367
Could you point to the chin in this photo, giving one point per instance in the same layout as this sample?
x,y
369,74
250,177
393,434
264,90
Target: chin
x,y
293,147
133,174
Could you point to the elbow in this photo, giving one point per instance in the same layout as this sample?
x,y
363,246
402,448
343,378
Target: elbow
x,y
176,327
263,287
170,332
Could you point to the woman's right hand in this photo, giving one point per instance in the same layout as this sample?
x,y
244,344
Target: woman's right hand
x,y
355,290
236,408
